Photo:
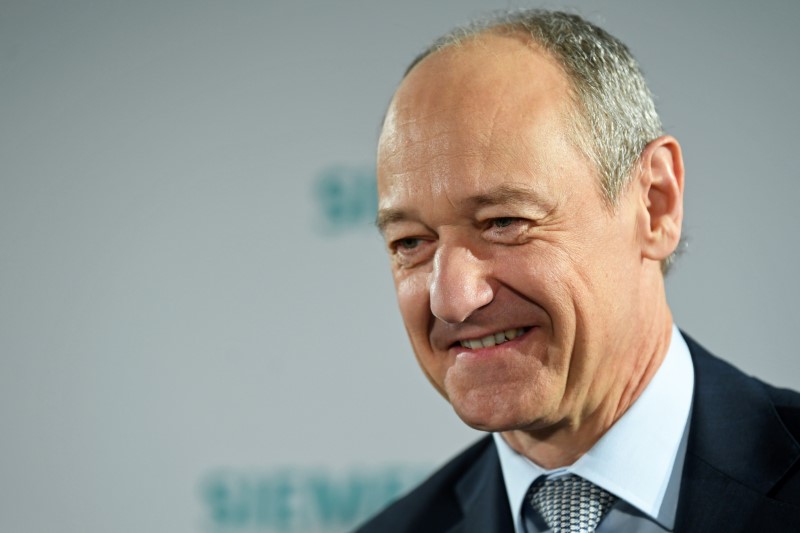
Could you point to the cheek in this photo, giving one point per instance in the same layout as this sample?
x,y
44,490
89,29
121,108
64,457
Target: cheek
x,y
414,303
544,273
540,270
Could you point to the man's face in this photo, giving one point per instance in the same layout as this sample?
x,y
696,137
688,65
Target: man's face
x,y
517,284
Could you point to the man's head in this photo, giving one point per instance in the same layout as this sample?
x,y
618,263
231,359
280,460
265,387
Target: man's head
x,y
526,269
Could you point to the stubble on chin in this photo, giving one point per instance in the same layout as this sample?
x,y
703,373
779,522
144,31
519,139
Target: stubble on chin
x,y
505,395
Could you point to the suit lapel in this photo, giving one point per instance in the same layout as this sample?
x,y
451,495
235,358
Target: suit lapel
x,y
728,472
482,496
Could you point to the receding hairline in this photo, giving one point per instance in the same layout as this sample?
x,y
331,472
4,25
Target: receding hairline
x,y
469,36
571,112
612,113
506,29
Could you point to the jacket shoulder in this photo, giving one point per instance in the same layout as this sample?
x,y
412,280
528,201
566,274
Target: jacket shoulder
x,y
433,505
746,430
784,401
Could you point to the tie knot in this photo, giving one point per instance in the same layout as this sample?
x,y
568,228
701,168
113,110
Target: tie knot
x,y
570,504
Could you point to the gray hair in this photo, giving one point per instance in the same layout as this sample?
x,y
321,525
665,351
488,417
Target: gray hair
x,y
614,115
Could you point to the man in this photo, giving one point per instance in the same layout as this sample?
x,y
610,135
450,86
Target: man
x,y
530,203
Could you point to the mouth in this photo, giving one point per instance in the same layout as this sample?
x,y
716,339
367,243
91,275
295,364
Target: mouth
x,y
494,339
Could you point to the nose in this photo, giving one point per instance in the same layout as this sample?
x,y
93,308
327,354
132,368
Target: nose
x,y
458,284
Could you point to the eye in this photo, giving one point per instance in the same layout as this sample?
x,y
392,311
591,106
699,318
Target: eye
x,y
503,222
507,230
407,243
411,251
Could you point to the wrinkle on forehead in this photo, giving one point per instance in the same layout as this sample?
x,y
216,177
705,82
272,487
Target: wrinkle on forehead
x,y
472,111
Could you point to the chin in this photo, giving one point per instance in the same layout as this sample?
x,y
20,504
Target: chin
x,y
495,415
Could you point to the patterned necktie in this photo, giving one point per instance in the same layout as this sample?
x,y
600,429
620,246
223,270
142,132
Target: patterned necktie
x,y
570,504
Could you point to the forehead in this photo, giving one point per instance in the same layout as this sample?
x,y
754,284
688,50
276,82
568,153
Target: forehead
x,y
494,108
491,73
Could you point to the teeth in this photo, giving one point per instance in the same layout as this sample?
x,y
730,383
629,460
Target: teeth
x,y
472,345
492,340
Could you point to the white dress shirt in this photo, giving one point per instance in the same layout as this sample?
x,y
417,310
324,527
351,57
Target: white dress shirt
x,y
639,459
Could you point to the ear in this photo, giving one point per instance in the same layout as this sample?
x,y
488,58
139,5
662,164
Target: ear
x,y
660,179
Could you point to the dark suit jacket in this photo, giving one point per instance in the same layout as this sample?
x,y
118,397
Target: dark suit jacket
x,y
741,474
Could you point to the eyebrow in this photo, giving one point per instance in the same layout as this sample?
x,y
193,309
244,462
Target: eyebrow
x,y
389,216
506,194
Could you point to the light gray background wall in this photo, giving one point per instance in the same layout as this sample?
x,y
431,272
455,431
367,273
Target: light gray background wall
x,y
176,297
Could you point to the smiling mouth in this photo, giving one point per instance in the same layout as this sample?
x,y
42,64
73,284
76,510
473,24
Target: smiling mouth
x,y
494,339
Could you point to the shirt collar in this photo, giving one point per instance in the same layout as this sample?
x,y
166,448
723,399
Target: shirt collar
x,y
635,458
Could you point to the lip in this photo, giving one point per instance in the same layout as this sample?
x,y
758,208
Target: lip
x,y
461,351
446,336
